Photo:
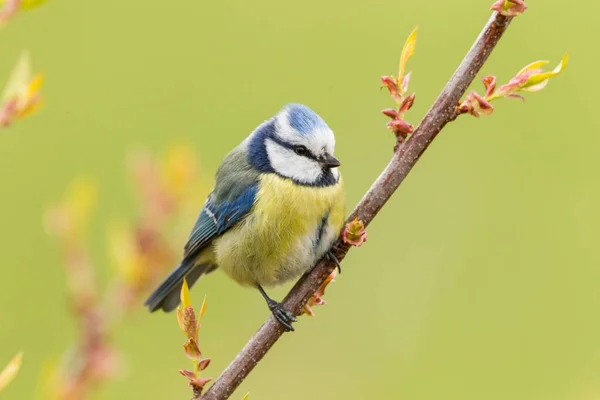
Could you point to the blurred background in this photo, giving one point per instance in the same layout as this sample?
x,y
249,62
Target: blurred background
x,y
480,277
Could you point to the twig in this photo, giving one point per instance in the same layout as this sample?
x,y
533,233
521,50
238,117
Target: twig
x,y
404,158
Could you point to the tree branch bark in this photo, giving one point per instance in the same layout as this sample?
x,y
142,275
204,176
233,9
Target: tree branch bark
x,y
403,160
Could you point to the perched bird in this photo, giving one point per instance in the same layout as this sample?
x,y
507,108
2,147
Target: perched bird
x,y
276,208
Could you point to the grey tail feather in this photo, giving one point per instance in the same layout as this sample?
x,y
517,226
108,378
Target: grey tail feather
x,y
167,295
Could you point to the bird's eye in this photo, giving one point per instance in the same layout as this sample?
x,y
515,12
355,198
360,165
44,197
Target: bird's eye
x,y
300,150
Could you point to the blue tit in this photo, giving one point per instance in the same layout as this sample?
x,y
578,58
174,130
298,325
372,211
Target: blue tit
x,y
276,209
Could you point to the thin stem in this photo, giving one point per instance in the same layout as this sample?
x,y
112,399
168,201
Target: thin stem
x,y
403,160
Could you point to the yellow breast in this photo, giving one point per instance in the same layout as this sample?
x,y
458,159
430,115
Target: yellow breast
x,y
276,241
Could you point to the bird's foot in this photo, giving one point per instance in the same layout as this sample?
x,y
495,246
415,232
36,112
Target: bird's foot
x,y
283,316
333,258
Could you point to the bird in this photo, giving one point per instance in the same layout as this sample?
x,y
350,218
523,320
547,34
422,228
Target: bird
x,y
276,208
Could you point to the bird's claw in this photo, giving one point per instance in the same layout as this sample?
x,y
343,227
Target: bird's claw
x,y
333,258
283,316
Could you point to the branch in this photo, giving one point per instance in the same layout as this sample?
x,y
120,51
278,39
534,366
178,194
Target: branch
x,y
403,160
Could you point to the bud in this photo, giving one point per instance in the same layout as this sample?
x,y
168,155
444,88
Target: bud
x,y
490,84
199,383
354,233
191,349
390,112
392,86
188,374
190,326
407,104
203,364
400,127
476,105
509,8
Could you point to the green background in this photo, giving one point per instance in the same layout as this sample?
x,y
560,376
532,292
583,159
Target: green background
x,y
480,277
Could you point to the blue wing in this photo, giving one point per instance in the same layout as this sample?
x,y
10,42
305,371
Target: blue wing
x,y
216,219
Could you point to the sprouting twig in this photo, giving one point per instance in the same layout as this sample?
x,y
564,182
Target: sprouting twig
x,y
403,160
189,323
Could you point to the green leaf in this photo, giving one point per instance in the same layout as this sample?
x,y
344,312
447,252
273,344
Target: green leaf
x,y
537,82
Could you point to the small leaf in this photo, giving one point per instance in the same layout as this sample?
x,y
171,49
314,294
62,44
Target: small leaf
x,y
407,104
199,382
246,396
533,66
203,364
404,83
180,320
400,127
188,374
191,349
407,51
202,308
186,300
538,81
490,84
10,372
392,86
201,314
390,112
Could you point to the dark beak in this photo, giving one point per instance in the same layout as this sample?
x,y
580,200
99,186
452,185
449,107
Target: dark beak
x,y
329,161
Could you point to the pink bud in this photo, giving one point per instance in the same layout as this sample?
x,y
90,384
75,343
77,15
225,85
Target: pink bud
x,y
517,81
392,86
192,350
476,105
390,112
509,8
354,232
407,103
188,374
389,82
490,84
199,383
203,364
400,126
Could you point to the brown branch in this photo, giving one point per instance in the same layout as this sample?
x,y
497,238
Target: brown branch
x,y
403,160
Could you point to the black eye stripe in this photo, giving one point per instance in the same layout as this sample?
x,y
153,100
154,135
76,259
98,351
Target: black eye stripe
x,y
292,147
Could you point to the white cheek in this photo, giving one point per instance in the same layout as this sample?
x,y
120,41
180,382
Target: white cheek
x,y
287,163
335,172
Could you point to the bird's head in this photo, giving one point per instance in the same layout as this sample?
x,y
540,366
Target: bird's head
x,y
296,144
